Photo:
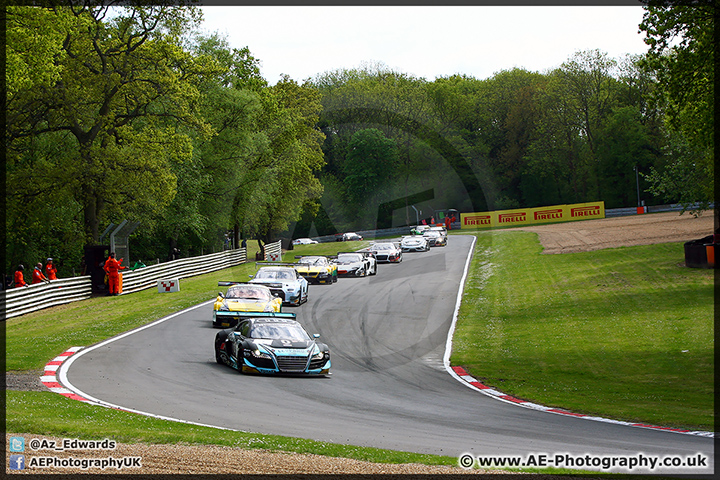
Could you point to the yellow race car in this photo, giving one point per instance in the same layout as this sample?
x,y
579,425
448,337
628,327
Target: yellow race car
x,y
242,300
316,269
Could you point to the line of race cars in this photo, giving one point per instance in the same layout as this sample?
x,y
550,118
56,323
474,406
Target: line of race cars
x,y
257,337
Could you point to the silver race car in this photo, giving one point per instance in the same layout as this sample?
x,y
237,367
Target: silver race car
x,y
284,281
414,243
388,252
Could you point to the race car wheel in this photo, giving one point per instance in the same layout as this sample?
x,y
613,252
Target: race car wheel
x,y
218,356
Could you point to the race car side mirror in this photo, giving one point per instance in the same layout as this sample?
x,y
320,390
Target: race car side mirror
x,y
220,294
251,276
316,335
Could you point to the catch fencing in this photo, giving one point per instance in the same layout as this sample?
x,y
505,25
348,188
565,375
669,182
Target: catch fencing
x,y
19,301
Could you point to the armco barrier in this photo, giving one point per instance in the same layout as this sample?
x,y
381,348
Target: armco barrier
x,y
273,251
19,301
147,277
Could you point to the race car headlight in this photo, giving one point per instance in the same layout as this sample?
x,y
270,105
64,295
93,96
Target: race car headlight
x,y
258,354
224,307
268,308
318,356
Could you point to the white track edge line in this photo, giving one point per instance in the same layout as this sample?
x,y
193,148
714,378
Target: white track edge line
x,y
62,373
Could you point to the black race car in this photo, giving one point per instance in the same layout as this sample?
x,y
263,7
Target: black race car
x,y
272,343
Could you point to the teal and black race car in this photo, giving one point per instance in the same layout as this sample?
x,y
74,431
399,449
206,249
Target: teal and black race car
x,y
272,343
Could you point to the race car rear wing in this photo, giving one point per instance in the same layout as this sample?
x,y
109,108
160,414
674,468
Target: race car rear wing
x,y
276,264
229,284
226,313
364,253
397,244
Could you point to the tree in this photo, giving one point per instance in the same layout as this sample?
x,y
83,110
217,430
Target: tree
x,y
624,144
509,112
207,184
124,88
280,179
681,40
33,40
372,160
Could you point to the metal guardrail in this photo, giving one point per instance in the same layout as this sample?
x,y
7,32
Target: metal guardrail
x,y
273,249
675,207
147,277
19,301
372,234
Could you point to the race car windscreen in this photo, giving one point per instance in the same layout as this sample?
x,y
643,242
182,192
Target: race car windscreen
x,y
248,292
273,274
312,261
349,258
279,332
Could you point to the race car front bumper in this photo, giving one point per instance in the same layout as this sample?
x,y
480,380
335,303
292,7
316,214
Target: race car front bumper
x,y
270,366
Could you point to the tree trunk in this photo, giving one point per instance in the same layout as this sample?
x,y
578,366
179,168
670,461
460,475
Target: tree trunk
x,y
91,220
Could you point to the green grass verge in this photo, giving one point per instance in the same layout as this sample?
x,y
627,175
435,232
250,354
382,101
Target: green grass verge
x,y
45,413
625,333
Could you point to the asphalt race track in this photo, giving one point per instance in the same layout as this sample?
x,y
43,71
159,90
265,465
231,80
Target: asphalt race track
x,y
389,388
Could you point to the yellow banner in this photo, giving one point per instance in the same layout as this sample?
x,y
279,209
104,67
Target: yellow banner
x,y
533,216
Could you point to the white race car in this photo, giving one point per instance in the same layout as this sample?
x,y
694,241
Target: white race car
x,y
283,281
304,241
435,238
355,264
414,243
349,237
386,252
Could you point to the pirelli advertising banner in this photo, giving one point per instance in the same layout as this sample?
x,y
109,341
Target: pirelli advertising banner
x,y
533,216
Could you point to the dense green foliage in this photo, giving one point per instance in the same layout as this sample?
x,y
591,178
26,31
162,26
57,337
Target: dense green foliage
x,y
681,38
126,113
129,113
574,134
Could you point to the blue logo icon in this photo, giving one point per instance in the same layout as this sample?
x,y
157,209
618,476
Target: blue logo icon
x,y
17,444
17,462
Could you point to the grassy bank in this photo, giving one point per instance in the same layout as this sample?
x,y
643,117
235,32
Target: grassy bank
x,y
625,333
45,413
